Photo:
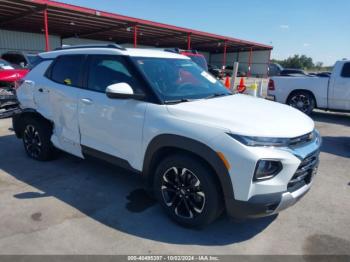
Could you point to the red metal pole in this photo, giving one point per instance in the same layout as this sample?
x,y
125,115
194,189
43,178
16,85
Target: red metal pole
x,y
188,41
250,62
224,58
135,36
46,26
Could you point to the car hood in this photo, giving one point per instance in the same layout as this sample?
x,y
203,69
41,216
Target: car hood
x,y
12,75
245,115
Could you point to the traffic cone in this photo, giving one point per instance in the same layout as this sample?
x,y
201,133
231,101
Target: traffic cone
x,y
241,87
227,82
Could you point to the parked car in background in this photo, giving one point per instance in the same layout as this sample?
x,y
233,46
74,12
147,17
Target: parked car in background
x,y
321,74
134,108
20,59
8,79
216,71
275,69
4,65
10,75
196,57
228,71
306,93
292,72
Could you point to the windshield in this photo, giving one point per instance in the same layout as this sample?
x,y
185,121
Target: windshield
x,y
179,79
199,60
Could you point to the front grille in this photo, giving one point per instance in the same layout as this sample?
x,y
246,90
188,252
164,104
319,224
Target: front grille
x,y
304,173
301,140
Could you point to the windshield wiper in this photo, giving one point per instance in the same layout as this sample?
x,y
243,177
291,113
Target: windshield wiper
x,y
217,95
176,101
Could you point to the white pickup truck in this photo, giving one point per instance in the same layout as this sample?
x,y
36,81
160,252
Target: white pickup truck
x,y
307,92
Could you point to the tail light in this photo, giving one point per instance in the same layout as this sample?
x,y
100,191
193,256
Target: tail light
x,y
271,85
18,83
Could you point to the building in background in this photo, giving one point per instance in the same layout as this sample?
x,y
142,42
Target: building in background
x,y
37,25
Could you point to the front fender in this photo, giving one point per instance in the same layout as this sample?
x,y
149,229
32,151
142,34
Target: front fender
x,y
190,145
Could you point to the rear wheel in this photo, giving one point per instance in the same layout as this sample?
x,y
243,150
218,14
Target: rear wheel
x,y
302,101
187,190
36,139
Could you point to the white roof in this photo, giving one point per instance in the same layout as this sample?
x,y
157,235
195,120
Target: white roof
x,y
153,53
134,52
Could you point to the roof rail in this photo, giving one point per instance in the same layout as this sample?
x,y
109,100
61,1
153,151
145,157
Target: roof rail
x,y
91,46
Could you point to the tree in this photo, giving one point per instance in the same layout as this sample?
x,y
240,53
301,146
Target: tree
x,y
319,66
297,61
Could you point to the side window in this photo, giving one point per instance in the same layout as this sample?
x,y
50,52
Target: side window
x,y
105,70
67,70
346,70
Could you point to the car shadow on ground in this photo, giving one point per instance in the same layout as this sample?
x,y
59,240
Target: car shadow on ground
x,y
113,197
339,146
333,118
336,145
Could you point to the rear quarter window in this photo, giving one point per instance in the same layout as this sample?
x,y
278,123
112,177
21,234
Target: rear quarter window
x,y
346,70
67,69
34,61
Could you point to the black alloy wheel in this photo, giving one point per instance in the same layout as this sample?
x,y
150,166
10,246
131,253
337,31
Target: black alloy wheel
x,y
188,190
32,141
302,101
181,191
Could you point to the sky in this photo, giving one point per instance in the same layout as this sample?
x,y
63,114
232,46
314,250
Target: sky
x,y
317,28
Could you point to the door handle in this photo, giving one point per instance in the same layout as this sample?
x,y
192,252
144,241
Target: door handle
x,y
86,101
43,90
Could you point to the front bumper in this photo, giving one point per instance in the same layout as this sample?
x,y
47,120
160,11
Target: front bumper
x,y
264,205
272,203
263,198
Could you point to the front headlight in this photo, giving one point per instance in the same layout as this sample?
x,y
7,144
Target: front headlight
x,y
261,141
278,142
317,137
267,169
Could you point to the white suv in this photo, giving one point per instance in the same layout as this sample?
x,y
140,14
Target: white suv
x,y
201,149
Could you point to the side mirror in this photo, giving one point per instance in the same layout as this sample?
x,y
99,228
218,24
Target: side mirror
x,y
122,91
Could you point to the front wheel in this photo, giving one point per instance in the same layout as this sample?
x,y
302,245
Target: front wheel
x,y
302,101
187,190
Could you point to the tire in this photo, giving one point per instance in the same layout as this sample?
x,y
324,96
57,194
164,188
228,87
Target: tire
x,y
36,139
303,101
192,199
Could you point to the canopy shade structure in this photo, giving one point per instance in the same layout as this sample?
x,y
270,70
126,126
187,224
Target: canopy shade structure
x,y
65,20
